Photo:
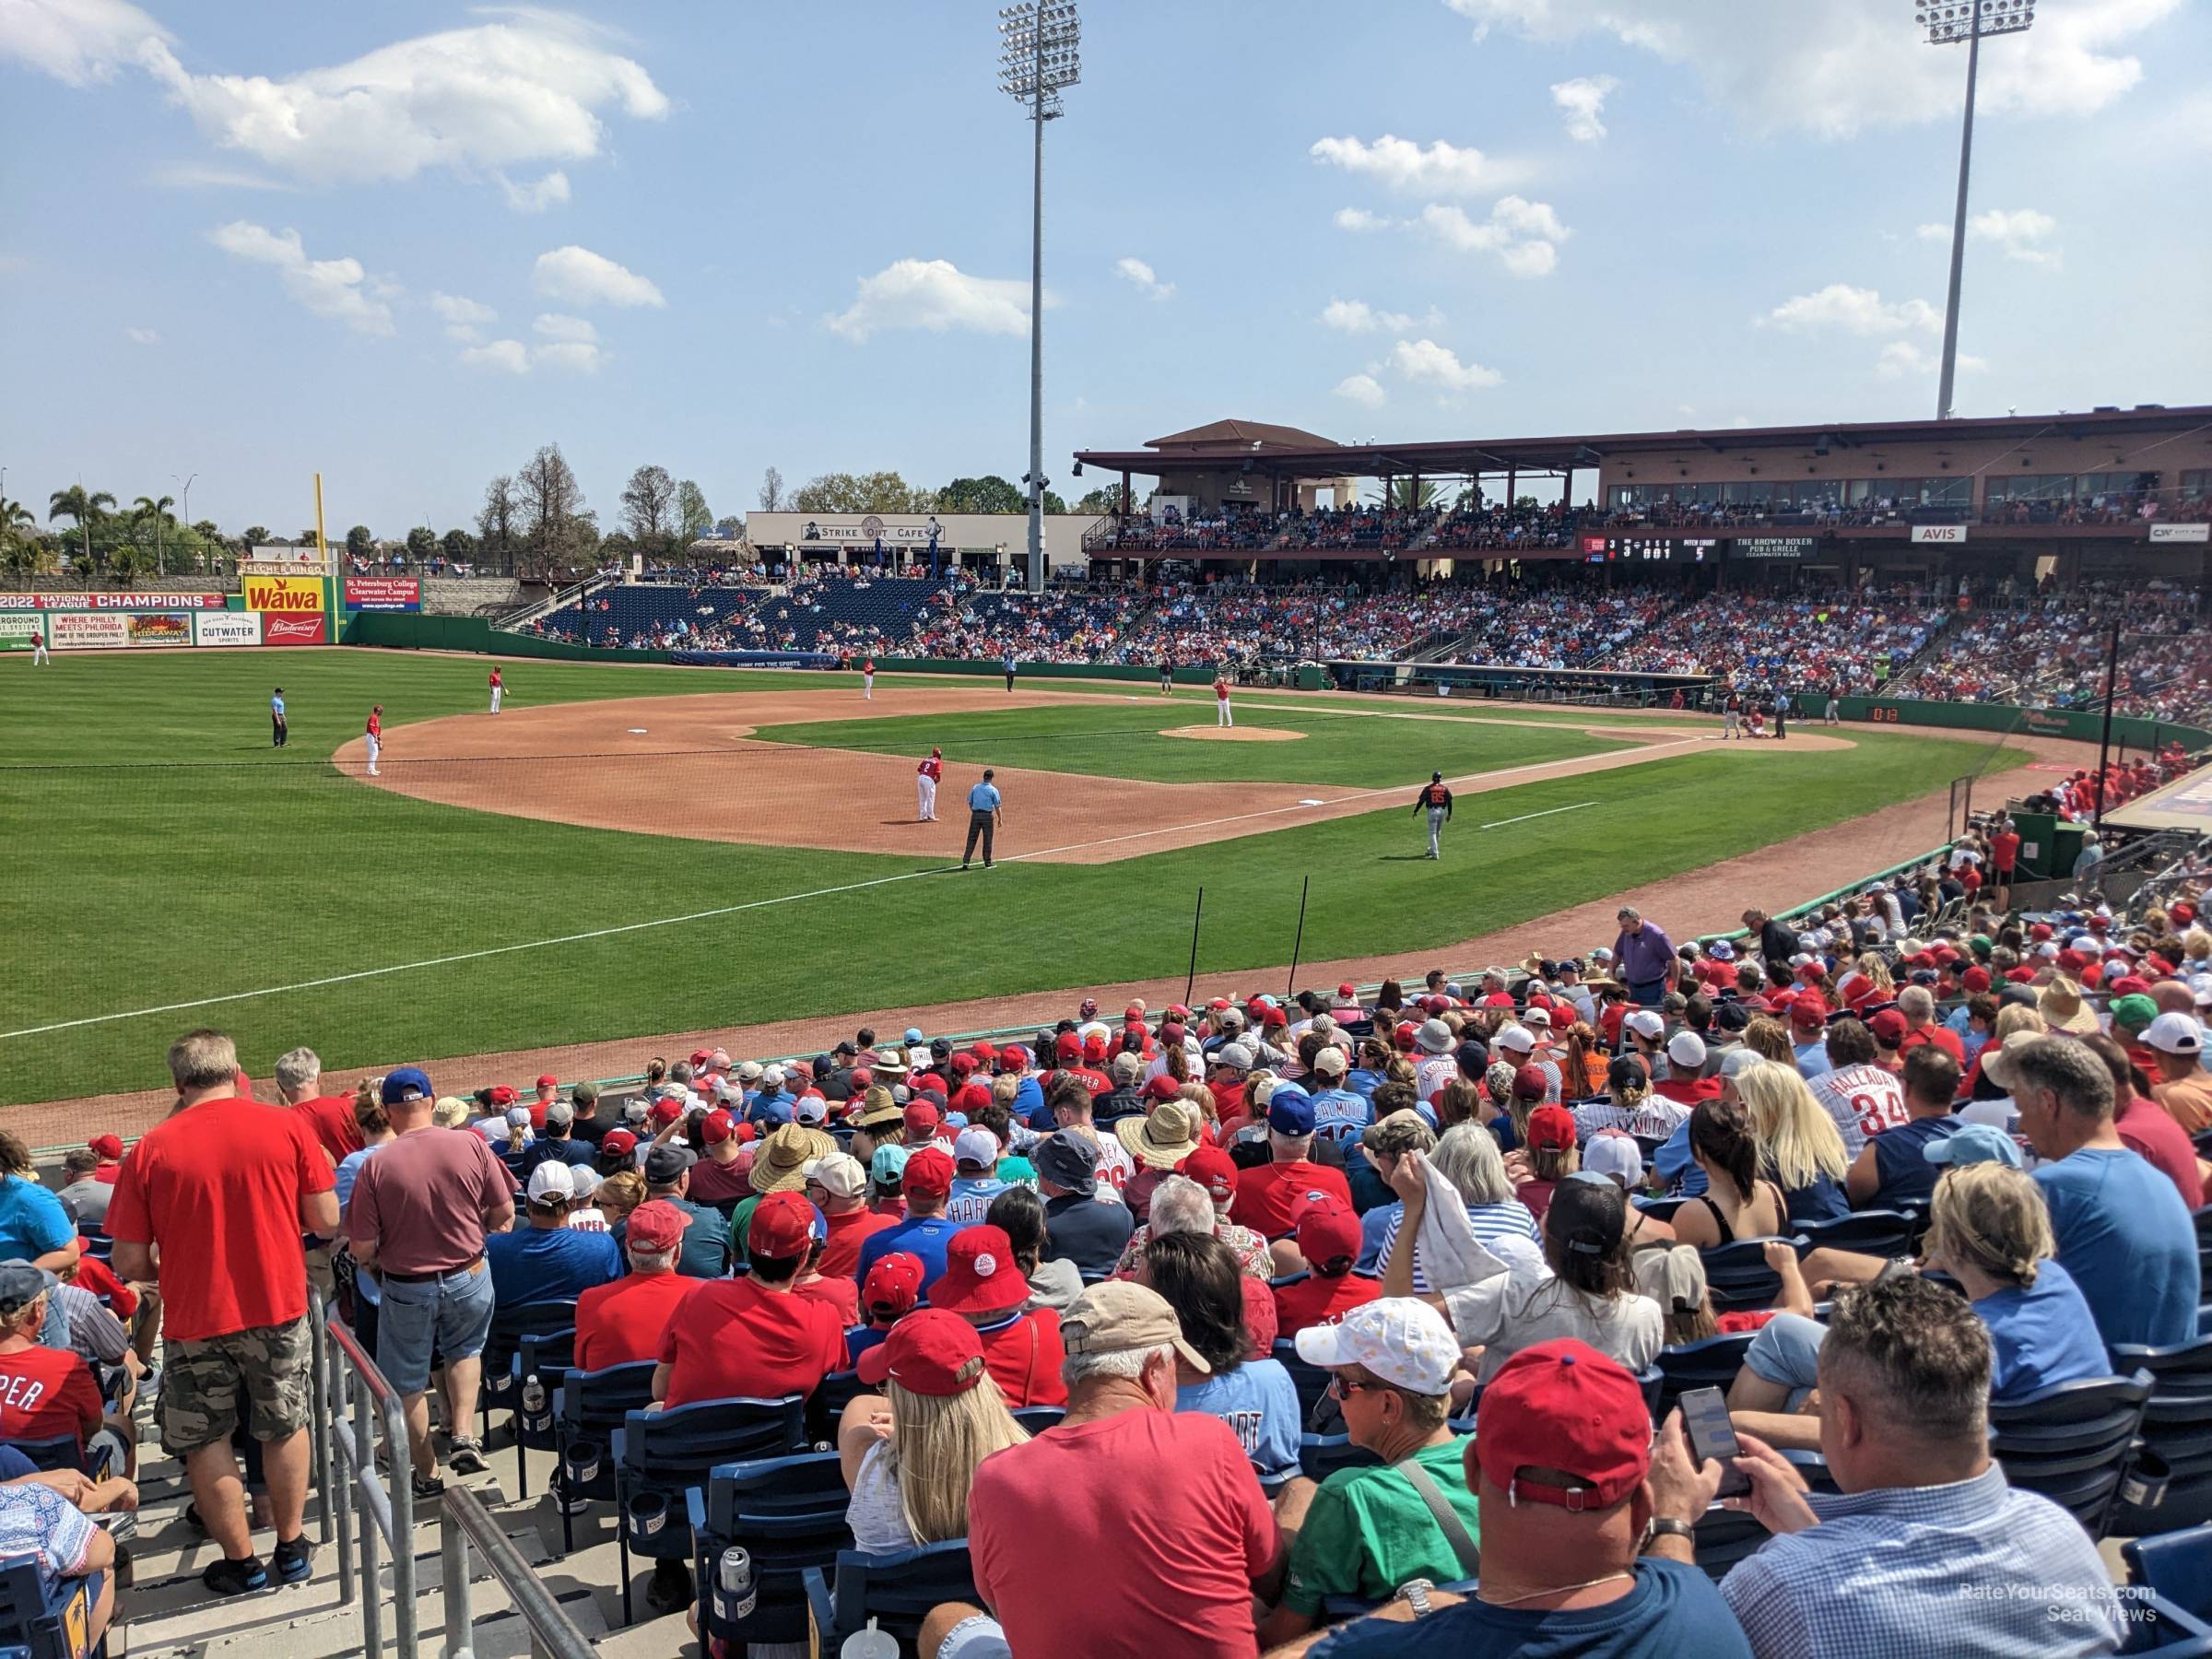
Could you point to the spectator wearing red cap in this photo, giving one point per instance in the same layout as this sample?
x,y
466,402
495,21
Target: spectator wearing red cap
x,y
983,1284
1551,1154
924,1123
924,1232
548,1091
887,1295
722,1176
1206,1175
109,1149
910,1454
1888,1029
1174,1573
1328,1241
621,1323
1566,1491
1269,1194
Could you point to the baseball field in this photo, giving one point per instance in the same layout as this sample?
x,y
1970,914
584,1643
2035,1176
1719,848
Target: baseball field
x,y
631,851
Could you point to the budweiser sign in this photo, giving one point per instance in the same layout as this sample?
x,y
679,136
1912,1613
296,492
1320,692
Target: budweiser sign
x,y
280,629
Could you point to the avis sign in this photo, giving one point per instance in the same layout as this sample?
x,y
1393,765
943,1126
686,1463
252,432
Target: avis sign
x,y
1939,532
293,595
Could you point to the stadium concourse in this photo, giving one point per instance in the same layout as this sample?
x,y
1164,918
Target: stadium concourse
x,y
1268,1260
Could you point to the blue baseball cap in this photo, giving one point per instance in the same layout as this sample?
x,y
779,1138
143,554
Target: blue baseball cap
x,y
1290,1110
888,1164
409,1083
1973,1144
913,1035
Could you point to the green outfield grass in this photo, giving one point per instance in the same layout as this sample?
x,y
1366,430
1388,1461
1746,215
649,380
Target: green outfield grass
x,y
1368,751
164,853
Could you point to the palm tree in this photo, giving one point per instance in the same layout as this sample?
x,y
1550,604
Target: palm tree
x,y
81,509
157,509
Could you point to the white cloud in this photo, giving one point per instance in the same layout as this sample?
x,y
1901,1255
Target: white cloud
x,y
1356,316
1362,389
552,325
1425,362
535,198
1859,63
1583,101
528,89
1855,310
1360,218
510,356
142,336
77,42
937,295
579,356
464,317
1524,235
582,277
2020,232
335,289
1141,276
195,175
1902,358
1403,165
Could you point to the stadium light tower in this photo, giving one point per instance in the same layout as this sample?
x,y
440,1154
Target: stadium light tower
x,y
1947,24
1039,56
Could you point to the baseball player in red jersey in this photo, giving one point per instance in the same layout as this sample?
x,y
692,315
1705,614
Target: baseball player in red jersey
x,y
374,735
497,687
867,679
926,786
1221,712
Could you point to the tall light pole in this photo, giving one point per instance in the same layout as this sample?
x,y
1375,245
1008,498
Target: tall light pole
x,y
1948,24
1039,41
187,493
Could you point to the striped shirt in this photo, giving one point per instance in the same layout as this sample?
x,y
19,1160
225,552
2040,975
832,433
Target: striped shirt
x,y
1508,1218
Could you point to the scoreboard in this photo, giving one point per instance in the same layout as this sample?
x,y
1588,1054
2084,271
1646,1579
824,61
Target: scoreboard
x,y
1650,549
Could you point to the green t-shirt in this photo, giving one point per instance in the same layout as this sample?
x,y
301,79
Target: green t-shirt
x,y
1369,1532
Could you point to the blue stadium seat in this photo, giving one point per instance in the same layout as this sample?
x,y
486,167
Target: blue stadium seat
x,y
657,1454
62,1452
1038,1419
2072,1442
2175,1566
1321,1455
1310,1381
896,1591
1736,1274
509,1326
1726,1537
588,1408
1659,1209
1883,1233
45,1625
1712,1363
2177,1431
788,1513
631,609
827,1404
540,1358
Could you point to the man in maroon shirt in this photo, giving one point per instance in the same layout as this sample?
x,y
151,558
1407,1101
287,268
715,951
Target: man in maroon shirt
x,y
213,1202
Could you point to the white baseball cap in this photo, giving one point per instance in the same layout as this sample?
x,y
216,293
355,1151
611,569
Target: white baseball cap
x,y
1614,1152
1537,1017
552,1179
1519,1040
2175,1034
810,1109
839,1173
772,1076
1329,1062
2200,987
1686,1050
976,1147
1402,1341
1646,1024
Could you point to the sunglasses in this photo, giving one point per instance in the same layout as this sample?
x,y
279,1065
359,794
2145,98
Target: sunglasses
x,y
1343,1386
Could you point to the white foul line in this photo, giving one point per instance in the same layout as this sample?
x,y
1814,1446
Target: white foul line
x,y
1524,819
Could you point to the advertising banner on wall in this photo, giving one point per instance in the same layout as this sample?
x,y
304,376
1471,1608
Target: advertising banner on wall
x,y
81,602
383,593
307,565
2180,533
1952,534
292,595
88,630
293,630
227,627
19,630
158,627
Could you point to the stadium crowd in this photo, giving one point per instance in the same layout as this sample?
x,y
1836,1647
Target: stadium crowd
x,y
2051,652
1851,642
1875,1173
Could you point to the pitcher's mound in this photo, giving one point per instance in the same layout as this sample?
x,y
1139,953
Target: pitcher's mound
x,y
1215,734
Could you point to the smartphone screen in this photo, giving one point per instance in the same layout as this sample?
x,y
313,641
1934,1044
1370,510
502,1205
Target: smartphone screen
x,y
1705,1419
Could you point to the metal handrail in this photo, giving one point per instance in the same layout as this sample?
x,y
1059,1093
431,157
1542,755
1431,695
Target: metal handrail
x,y
463,1522
349,1453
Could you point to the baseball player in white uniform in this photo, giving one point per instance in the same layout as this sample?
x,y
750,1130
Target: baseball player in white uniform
x,y
926,786
374,737
1222,717
38,649
1731,707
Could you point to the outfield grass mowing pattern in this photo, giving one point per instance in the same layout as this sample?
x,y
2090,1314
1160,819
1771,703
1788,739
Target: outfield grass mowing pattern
x,y
143,884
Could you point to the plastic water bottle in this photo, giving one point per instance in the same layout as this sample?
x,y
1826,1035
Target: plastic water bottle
x,y
740,1592
534,1404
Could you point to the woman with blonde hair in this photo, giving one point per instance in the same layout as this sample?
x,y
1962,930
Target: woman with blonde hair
x,y
1802,1149
618,1194
1770,1040
910,1454
1200,1095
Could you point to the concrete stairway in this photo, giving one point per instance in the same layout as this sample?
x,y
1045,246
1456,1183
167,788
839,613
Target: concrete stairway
x,y
166,1612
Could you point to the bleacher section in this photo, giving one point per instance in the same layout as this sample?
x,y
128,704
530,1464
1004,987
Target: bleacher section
x,y
648,613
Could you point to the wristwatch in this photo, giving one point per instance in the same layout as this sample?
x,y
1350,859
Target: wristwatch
x,y
1667,1526
1414,1593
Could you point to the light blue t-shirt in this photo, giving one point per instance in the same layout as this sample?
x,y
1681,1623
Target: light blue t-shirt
x,y
349,1175
1259,1402
1339,1114
2042,1335
1812,1058
276,705
32,1220
983,797
971,1196
2127,1242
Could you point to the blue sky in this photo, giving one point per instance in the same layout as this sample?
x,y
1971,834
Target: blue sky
x,y
405,243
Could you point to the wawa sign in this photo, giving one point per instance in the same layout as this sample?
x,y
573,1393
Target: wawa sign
x,y
291,595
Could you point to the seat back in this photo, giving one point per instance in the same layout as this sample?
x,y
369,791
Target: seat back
x,y
827,1402
589,1407
664,1448
2177,1566
1884,1232
2177,1430
1321,1455
1038,1419
1712,1363
1310,1380
1736,1274
898,1591
53,1454
2072,1442
509,1326
1658,1209
31,1622
787,1513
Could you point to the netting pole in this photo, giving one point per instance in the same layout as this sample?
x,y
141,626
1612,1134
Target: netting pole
x,y
1290,987
1191,981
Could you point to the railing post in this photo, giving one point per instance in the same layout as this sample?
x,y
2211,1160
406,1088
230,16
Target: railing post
x,y
452,1548
318,1418
403,1524
362,1474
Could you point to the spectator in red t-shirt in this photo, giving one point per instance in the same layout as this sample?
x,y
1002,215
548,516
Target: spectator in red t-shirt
x,y
1269,1196
299,1079
2004,858
621,1323
984,1285
44,1392
1174,1574
837,1184
1917,1004
1328,1238
213,1201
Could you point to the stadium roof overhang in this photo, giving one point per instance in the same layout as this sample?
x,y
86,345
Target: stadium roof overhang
x,y
1278,452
